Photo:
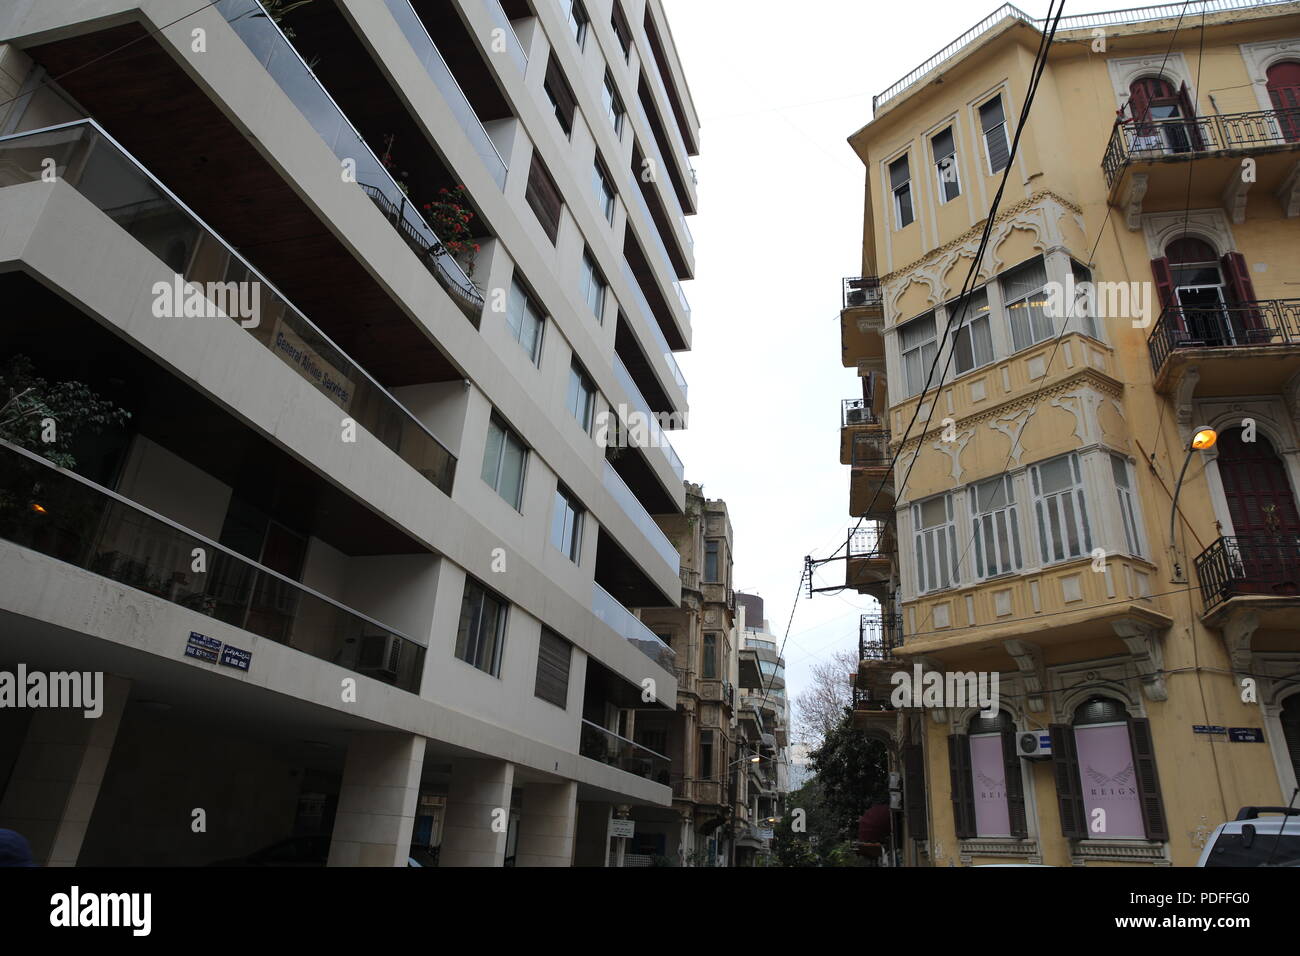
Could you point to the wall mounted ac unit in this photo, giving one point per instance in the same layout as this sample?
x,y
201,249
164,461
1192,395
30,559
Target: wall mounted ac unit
x,y
1034,745
380,656
858,416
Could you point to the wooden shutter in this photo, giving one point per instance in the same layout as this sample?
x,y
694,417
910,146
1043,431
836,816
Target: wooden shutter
x,y
914,792
1144,764
1241,291
1014,786
553,657
1188,109
1069,791
566,104
543,197
963,796
1164,278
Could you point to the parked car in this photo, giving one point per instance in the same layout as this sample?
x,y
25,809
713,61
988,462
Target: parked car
x,y
1252,840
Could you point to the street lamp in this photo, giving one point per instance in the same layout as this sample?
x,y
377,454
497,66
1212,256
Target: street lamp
x,y
1203,439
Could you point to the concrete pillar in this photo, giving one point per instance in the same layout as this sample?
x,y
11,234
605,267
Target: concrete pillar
x,y
56,778
376,812
546,828
478,813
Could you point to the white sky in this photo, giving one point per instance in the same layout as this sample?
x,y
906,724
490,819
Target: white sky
x,y
779,87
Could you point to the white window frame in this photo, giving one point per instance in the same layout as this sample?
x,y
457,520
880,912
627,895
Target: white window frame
x,y
940,182
508,435
1052,504
514,322
591,280
929,543
613,104
920,349
603,187
579,22
566,524
984,134
894,191
967,325
1130,516
985,528
1008,304
580,382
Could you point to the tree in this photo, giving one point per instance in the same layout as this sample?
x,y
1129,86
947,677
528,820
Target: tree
x,y
819,709
853,771
45,417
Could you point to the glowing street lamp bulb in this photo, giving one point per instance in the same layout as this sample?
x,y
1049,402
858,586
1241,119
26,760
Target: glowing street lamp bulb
x,y
39,508
755,759
1204,438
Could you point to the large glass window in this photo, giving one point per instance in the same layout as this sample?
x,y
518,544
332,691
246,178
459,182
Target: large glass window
x,y
996,527
1127,503
711,561
581,399
604,190
973,344
525,321
566,525
945,164
900,181
916,341
578,21
593,286
935,543
709,665
1060,509
503,462
613,105
480,638
1023,291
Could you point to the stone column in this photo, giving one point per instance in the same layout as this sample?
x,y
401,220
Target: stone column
x,y
478,813
376,812
56,778
546,828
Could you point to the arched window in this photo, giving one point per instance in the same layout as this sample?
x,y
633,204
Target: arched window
x,y
1162,117
988,796
1284,92
1264,555
1106,782
1208,300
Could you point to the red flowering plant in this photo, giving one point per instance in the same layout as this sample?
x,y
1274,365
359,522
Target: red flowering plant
x,y
449,216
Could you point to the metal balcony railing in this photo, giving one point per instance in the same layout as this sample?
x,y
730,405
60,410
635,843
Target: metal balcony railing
x,y
878,636
87,158
607,747
1191,136
861,291
632,506
1255,323
1257,564
652,324
268,44
870,449
869,541
607,607
658,437
855,411
66,517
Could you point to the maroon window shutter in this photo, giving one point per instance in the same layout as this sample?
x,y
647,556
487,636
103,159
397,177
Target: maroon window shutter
x,y
1069,790
914,792
1188,109
1242,292
963,795
1164,277
1148,781
1014,786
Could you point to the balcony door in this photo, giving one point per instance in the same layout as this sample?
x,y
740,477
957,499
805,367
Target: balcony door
x,y
1284,93
1154,108
1262,505
1212,298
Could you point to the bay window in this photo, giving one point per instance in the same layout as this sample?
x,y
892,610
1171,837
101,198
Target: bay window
x,y
935,543
916,341
1060,509
972,345
996,527
1024,292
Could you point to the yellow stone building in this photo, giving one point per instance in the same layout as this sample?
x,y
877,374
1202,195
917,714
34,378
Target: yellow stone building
x,y
1140,279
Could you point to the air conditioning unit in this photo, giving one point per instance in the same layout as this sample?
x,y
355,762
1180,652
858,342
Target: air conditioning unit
x,y
1034,745
858,416
380,655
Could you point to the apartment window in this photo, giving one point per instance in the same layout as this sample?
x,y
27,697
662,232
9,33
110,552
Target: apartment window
x,y
706,755
554,654
988,798
996,527
945,164
578,21
560,94
1023,290
525,321
566,524
709,665
481,635
503,463
993,122
581,398
1119,467
543,197
900,181
1060,509
1082,307
973,344
916,342
711,562
613,105
622,31
593,286
935,541
604,190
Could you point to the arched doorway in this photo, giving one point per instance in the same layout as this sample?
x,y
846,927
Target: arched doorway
x,y
1213,297
1284,93
1154,109
1265,522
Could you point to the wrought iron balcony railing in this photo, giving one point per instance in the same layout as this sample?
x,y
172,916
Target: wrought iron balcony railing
x,y
861,291
66,517
878,636
1147,138
1260,322
1257,564
870,449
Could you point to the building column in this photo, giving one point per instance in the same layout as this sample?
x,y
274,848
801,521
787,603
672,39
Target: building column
x,y
56,778
546,827
376,811
478,813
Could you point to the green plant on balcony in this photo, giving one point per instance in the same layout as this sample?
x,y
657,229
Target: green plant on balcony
x,y
449,216
44,417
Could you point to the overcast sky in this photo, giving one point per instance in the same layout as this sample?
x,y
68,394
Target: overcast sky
x,y
779,87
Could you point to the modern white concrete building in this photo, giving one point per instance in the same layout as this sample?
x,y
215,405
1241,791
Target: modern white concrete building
x,y
360,566
764,714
